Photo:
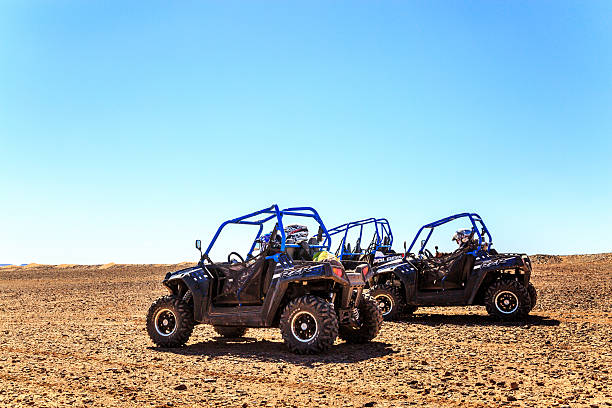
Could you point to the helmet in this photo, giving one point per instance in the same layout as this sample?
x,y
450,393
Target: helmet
x,y
462,236
296,233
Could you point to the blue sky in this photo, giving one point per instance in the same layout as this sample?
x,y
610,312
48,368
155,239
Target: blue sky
x,y
127,130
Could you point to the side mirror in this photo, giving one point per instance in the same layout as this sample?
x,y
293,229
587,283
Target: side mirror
x,y
404,246
422,243
198,245
320,234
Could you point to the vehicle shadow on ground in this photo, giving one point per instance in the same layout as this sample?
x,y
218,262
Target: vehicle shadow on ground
x,y
272,351
477,320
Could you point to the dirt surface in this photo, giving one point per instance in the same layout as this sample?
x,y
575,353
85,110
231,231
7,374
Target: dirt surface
x,y
75,336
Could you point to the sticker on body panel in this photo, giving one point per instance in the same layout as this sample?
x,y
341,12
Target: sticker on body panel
x,y
379,257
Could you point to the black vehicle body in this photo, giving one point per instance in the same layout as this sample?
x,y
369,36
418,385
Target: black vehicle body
x,y
311,302
270,287
465,277
478,272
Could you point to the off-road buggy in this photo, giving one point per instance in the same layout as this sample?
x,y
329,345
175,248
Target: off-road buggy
x,y
311,302
473,274
378,252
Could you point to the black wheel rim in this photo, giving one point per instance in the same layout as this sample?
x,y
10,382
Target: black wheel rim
x,y
165,322
304,326
506,302
385,303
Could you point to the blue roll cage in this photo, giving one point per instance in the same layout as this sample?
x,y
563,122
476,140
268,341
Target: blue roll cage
x,y
381,228
266,215
474,218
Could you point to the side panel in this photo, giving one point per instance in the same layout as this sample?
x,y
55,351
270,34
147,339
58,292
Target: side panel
x,y
454,297
473,284
241,316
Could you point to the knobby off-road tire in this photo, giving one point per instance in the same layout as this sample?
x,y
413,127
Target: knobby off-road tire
x,y
533,295
170,321
371,320
309,325
508,300
230,332
188,299
390,300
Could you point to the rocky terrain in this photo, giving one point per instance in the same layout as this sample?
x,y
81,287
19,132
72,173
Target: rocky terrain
x,y
74,336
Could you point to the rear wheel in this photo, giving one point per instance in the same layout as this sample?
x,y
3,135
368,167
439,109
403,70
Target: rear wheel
x,y
371,319
508,300
170,321
309,325
389,300
230,332
533,295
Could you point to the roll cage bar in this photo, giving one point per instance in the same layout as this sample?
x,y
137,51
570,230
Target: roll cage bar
x,y
381,227
262,216
474,218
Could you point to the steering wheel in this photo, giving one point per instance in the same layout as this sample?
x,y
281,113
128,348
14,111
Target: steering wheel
x,y
229,260
427,253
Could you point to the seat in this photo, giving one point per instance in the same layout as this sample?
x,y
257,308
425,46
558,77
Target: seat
x,y
453,277
240,283
444,272
385,247
458,272
358,245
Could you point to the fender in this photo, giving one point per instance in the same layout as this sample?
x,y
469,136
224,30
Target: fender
x,y
285,272
405,272
195,279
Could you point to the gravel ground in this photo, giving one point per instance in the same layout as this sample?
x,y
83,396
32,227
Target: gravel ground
x,y
74,336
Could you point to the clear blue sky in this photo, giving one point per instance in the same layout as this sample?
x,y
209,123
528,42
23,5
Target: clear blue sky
x,y
128,129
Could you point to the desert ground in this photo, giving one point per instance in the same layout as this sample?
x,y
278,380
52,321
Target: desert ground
x,y
75,336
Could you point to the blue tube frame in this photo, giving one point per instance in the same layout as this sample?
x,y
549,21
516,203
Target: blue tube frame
x,y
474,218
382,228
268,214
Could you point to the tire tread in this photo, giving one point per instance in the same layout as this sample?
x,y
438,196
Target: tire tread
x,y
327,324
372,322
518,289
185,323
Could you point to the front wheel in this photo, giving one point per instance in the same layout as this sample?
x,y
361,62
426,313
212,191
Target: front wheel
x,y
170,321
309,325
508,300
389,300
370,317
